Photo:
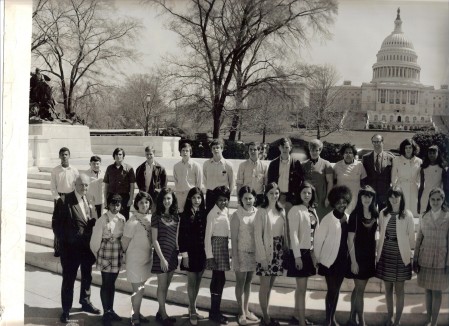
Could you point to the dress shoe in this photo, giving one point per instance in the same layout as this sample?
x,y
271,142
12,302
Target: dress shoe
x,y
64,318
161,320
114,316
89,307
218,318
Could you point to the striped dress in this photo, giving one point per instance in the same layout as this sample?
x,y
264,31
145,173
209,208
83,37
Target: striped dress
x,y
166,236
390,267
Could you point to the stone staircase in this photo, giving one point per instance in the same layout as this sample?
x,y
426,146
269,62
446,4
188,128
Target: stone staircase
x,y
39,253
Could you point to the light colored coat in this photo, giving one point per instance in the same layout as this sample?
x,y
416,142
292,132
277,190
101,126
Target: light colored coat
x,y
263,235
405,232
327,240
299,229
432,243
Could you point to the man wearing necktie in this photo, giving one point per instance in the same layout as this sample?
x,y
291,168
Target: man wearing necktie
x,y
74,219
378,166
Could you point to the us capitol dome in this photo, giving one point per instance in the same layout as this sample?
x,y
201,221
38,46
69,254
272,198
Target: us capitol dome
x,y
395,99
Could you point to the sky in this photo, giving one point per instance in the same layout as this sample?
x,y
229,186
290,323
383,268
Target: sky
x,y
357,35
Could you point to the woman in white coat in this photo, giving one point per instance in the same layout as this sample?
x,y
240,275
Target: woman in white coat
x,y
406,173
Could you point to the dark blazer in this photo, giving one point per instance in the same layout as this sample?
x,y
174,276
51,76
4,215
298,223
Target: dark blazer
x,y
158,179
70,226
380,181
295,179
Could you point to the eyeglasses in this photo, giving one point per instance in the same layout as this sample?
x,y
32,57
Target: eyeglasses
x,y
376,141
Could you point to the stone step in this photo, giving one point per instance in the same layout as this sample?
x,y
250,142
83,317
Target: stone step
x,y
40,205
44,235
38,184
43,194
39,219
281,300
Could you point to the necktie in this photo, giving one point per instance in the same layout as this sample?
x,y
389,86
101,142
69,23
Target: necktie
x,y
86,207
378,163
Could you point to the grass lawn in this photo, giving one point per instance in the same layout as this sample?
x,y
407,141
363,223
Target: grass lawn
x,y
361,139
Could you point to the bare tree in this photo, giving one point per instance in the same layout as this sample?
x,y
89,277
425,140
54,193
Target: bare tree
x,y
326,108
80,41
140,102
218,34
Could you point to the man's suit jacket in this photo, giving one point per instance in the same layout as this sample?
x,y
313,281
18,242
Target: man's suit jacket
x,y
295,178
158,179
69,224
380,181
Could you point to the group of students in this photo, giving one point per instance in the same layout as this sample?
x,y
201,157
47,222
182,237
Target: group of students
x,y
287,219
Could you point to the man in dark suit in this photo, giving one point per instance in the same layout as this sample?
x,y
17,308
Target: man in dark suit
x,y
74,218
287,172
378,165
151,177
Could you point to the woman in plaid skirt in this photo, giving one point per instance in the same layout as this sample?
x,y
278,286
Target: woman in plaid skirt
x,y
137,243
431,260
107,248
217,250
164,231
270,232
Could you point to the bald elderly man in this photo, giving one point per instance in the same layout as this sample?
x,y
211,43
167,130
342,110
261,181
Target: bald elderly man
x,y
74,218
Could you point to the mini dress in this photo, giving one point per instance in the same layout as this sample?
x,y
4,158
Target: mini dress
x,y
246,244
192,230
275,267
166,237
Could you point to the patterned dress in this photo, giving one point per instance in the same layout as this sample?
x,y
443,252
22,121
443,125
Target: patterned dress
x,y
390,266
166,237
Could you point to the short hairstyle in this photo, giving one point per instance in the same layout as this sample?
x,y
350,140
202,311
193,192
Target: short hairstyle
x,y
160,209
345,146
366,191
440,191
376,135
256,144
113,198
142,195
304,185
222,191
406,142
188,206
270,186
95,158
217,141
64,149
285,140
337,193
118,150
397,192
150,149
315,143
185,145
245,190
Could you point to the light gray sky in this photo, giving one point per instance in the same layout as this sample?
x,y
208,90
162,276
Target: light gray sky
x,y
358,32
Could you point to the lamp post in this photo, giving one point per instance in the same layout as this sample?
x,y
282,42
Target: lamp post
x,y
147,116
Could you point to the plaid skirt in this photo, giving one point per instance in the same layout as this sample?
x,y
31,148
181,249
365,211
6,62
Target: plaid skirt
x,y
110,256
275,266
220,250
433,278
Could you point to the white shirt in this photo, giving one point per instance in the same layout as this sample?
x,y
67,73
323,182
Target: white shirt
x,y
217,226
82,201
284,170
63,180
95,191
148,174
187,175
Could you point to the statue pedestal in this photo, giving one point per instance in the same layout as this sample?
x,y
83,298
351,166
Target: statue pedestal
x,y
45,140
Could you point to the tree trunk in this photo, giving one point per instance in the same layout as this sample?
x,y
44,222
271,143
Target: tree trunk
x,y
234,126
263,135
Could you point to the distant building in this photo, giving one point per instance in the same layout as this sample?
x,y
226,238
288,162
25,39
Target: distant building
x,y
395,99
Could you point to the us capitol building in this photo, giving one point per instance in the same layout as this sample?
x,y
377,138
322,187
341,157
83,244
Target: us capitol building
x,y
395,99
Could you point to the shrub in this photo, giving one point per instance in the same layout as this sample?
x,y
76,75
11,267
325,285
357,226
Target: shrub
x,y
427,138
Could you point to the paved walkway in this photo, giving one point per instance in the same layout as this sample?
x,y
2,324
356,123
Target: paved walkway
x,y
43,304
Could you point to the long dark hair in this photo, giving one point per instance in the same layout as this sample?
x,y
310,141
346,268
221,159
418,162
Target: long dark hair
x,y
272,185
188,207
160,209
304,185
245,190
397,192
366,191
439,161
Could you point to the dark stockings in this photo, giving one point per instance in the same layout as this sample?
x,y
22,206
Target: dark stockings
x,y
333,291
107,290
216,290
